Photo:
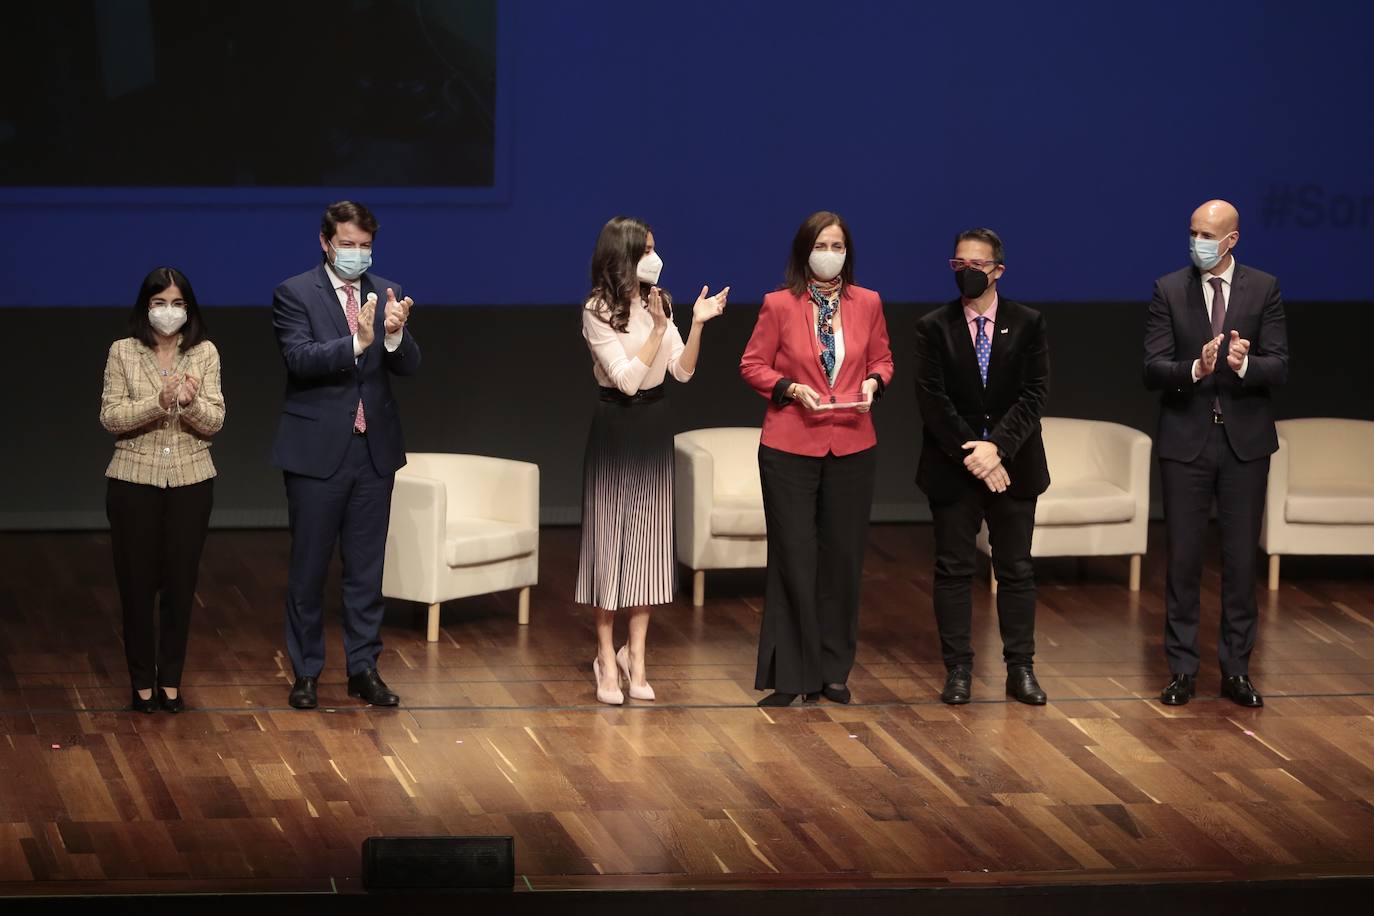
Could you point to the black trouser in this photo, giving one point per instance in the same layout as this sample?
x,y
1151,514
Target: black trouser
x,y
816,511
1011,522
1190,487
157,534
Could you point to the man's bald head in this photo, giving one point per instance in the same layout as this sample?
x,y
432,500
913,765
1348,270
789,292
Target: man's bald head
x,y
1219,215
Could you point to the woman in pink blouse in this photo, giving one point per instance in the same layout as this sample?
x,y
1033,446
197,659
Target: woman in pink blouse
x,y
627,497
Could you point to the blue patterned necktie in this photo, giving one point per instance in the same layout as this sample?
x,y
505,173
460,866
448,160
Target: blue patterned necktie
x,y
983,347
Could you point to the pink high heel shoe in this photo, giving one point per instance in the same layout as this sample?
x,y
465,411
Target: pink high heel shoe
x,y
610,697
622,659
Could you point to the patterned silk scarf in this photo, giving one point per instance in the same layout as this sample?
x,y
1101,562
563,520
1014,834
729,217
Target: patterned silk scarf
x,y
827,299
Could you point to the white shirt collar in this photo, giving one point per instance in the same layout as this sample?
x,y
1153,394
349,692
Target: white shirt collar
x,y
338,282
1225,275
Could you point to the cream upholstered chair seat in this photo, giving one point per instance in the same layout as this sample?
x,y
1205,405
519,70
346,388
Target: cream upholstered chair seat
x,y
462,525
1320,499
1098,502
718,502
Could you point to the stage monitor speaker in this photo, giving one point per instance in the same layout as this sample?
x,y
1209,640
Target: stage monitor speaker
x,y
438,862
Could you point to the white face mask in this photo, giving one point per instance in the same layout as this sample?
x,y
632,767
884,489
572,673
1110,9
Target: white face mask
x,y
167,319
650,266
826,265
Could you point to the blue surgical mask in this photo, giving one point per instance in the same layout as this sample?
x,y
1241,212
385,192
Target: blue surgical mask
x,y
1206,253
351,263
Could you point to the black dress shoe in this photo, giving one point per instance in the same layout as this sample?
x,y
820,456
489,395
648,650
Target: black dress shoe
x,y
778,698
958,686
138,704
1179,690
303,693
1023,687
1238,689
836,693
370,686
170,704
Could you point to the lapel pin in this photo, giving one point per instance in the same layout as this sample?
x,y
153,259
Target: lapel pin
x,y
1005,330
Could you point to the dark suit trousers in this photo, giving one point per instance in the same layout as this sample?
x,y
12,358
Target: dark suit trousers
x,y
1238,487
353,509
157,535
816,510
1011,522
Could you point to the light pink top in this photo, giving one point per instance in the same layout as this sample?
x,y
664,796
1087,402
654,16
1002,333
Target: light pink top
x,y
615,356
972,318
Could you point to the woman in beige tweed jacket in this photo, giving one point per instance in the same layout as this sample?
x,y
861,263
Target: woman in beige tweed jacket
x,y
163,403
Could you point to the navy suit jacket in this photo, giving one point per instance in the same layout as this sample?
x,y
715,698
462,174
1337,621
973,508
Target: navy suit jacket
x,y
324,381
1177,327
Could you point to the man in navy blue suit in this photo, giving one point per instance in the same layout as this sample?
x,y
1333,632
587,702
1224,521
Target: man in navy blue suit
x,y
339,444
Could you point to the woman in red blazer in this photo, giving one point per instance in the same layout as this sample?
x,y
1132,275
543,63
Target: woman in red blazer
x,y
820,355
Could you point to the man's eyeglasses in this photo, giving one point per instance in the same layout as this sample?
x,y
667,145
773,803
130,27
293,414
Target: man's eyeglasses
x,y
975,263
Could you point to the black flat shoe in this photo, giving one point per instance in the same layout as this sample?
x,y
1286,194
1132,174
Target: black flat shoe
x,y
958,686
1023,687
1179,690
138,704
1238,689
369,686
170,704
778,698
836,693
303,694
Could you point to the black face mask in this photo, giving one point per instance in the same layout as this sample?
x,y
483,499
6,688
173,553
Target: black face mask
x,y
972,282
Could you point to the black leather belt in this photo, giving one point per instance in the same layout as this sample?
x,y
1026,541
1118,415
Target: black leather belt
x,y
359,432
1216,418
643,396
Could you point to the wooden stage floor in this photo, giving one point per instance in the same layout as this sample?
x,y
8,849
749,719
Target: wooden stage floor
x,y
500,733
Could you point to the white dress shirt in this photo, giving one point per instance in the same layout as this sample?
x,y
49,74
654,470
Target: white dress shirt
x,y
1207,296
391,341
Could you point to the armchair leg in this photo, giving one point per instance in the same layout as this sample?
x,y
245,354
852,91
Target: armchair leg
x,y
1135,572
432,630
1273,572
698,587
523,614
992,579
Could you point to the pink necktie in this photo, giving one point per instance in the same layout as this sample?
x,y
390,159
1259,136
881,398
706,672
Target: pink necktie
x,y
351,313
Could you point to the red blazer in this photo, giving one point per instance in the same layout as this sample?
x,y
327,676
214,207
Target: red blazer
x,y
783,349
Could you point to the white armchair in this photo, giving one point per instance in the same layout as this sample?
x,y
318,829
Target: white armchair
x,y
462,525
718,503
1320,500
1098,503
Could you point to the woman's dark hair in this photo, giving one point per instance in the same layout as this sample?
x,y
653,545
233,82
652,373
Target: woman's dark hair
x,y
615,263
347,211
798,273
192,332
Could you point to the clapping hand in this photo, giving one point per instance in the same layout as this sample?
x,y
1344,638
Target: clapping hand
x,y
1238,350
186,391
168,395
870,389
1207,362
708,307
656,310
397,313
367,331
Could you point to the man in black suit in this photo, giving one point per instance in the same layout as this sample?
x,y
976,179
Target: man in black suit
x,y
982,376
339,444
1216,344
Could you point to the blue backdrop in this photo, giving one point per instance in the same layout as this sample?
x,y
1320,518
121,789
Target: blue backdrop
x,y
1084,132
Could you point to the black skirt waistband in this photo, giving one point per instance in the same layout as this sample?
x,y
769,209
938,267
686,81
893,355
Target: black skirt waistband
x,y
643,396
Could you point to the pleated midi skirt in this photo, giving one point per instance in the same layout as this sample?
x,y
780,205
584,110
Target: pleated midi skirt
x,y
627,554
